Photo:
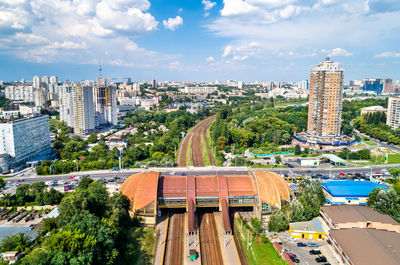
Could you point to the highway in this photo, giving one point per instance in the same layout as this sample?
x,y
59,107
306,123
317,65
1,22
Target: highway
x,y
108,174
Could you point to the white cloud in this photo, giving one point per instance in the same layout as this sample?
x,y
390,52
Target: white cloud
x,y
173,23
237,7
227,51
339,52
208,4
78,31
388,55
210,59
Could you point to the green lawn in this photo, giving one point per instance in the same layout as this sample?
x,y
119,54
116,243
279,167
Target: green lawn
x,y
261,253
205,153
189,153
370,143
394,158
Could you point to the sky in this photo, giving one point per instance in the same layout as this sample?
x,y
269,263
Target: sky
x,y
198,40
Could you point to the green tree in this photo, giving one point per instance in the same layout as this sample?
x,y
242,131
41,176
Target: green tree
x,y
92,138
297,149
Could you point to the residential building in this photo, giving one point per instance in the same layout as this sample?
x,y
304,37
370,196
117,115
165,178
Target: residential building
x,y
325,99
36,81
105,104
393,113
23,93
199,90
387,86
154,83
77,108
25,138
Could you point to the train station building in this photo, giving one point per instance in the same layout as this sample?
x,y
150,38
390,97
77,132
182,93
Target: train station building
x,y
151,192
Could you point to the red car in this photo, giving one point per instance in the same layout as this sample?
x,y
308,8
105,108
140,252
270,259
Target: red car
x,y
71,177
21,180
291,255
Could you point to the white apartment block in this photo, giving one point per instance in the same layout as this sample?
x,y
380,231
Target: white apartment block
x,y
25,138
200,90
393,113
23,93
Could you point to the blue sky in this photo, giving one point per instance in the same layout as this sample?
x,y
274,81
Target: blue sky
x,y
200,40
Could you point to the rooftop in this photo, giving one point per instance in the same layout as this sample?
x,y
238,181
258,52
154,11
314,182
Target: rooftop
x,y
376,108
355,213
308,226
334,158
369,246
349,188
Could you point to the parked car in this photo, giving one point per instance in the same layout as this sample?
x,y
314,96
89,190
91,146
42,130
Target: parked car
x,y
326,264
21,180
286,250
312,244
321,259
315,252
301,244
292,255
295,260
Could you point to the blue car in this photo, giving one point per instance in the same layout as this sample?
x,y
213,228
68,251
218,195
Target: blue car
x,y
312,244
301,244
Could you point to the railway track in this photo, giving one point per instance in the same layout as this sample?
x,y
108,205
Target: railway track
x,y
174,249
195,134
210,248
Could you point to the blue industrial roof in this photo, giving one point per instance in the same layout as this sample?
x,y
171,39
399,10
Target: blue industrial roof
x,y
350,188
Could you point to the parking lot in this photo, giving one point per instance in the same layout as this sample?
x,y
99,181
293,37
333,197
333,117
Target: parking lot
x,y
303,254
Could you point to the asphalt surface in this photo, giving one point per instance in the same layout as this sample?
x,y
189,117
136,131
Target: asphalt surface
x,y
108,174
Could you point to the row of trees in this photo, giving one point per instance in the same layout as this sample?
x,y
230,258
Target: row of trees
x,y
364,154
380,131
386,201
304,208
92,228
32,194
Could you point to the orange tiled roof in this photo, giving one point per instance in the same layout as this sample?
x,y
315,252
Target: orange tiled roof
x,y
273,188
141,189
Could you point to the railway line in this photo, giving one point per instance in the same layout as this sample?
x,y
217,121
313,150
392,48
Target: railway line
x,y
195,135
210,249
174,248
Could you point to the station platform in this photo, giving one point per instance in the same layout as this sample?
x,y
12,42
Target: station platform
x,y
227,242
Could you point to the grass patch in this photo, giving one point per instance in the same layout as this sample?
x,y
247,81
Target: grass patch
x,y
394,158
261,251
189,153
370,143
208,133
205,152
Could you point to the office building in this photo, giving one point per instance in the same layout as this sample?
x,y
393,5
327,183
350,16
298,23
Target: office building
x,y
154,83
393,113
25,138
374,85
77,108
105,104
325,99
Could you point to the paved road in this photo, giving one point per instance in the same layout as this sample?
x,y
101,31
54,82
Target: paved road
x,y
107,174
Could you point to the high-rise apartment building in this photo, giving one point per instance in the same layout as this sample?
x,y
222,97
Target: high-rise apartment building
x,y
325,99
25,138
105,104
36,82
393,113
387,86
77,108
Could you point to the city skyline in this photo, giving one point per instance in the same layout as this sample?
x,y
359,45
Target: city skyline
x,y
232,39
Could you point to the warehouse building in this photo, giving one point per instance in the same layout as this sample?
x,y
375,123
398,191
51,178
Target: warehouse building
x,y
151,192
348,191
362,236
